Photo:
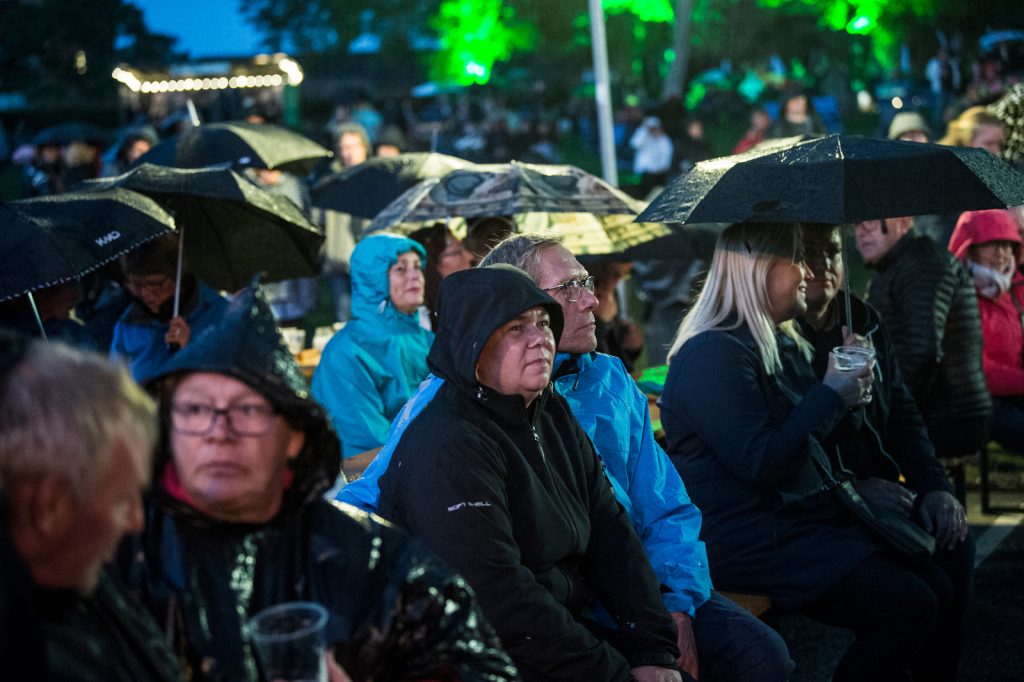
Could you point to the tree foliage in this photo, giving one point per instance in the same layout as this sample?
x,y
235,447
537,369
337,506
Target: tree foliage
x,y
65,50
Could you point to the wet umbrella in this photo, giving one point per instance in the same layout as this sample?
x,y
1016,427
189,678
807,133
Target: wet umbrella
x,y
231,229
55,239
838,179
506,190
1010,110
260,145
71,131
367,189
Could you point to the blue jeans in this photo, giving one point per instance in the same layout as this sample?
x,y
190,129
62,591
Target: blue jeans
x,y
733,645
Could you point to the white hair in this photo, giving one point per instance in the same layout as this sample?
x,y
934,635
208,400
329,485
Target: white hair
x,y
63,411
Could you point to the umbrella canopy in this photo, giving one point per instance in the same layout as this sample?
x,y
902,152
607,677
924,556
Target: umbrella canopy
x,y
260,145
231,229
506,190
585,234
55,239
1010,110
367,189
71,131
838,179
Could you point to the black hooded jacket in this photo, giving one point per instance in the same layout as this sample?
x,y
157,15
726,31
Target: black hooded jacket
x,y
395,611
515,499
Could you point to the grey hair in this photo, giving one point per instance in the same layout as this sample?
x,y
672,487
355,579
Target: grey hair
x,y
64,411
522,251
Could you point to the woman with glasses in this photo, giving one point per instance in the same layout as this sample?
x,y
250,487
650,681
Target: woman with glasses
x,y
745,440
236,523
445,254
148,333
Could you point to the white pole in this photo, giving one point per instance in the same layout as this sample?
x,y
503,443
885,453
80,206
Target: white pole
x,y
603,93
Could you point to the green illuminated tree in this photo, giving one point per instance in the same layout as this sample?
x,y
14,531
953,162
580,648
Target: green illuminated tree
x,y
474,34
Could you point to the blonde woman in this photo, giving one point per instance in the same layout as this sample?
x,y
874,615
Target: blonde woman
x,y
744,440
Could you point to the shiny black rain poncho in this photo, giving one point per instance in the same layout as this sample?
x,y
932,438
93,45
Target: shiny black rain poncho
x,y
396,612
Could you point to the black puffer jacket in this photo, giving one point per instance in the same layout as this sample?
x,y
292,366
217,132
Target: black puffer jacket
x,y
514,498
396,612
928,302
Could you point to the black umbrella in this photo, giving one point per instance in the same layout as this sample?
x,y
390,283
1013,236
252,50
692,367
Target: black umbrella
x,y
838,179
50,240
55,239
260,145
365,190
231,229
71,131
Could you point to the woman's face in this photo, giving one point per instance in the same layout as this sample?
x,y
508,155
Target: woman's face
x,y
455,257
518,356
989,138
153,290
406,282
787,289
231,476
996,256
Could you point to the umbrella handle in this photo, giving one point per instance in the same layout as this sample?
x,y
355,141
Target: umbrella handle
x,y
177,276
35,311
193,115
846,280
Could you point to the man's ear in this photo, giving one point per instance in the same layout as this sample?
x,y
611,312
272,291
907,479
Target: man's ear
x,y
296,441
42,506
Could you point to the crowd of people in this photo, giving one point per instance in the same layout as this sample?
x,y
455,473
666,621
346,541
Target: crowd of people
x,y
471,486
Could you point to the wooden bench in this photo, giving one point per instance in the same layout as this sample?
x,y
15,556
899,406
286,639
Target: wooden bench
x,y
758,604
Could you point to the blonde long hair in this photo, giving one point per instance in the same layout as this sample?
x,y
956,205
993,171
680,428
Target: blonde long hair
x,y
737,285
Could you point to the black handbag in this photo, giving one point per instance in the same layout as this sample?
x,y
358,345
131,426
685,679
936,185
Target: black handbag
x,y
897,532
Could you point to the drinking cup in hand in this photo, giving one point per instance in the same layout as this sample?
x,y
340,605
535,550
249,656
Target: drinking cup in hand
x,y
290,640
852,358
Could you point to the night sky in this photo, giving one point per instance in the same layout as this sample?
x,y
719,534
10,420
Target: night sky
x,y
204,28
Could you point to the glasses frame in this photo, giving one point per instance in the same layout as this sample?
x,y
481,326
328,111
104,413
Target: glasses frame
x,y
226,412
574,288
147,286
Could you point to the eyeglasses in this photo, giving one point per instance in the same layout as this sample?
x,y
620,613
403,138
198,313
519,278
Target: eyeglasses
x,y
197,419
574,288
147,284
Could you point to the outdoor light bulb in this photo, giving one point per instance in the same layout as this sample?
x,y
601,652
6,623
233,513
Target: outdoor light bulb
x,y
864,101
897,103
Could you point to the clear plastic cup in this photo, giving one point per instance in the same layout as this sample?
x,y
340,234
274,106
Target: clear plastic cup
x,y
851,358
290,640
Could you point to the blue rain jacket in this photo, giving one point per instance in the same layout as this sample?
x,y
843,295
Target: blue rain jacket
x,y
613,412
374,363
139,337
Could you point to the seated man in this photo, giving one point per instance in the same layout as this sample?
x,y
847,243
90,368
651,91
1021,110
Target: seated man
x,y
725,640
498,477
927,300
885,446
237,524
76,440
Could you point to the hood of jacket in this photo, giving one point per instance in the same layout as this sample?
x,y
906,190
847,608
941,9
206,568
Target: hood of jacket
x,y
369,267
978,227
247,345
471,305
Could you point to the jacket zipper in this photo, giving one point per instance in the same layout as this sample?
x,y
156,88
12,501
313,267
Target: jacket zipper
x,y
557,489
